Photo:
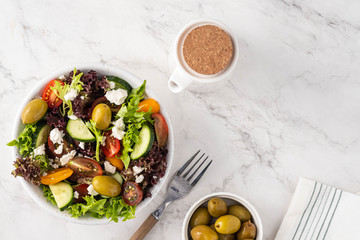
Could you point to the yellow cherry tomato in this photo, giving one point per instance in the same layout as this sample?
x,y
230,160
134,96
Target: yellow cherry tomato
x,y
147,104
56,175
117,162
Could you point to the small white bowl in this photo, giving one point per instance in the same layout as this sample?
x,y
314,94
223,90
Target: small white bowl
x,y
230,199
34,191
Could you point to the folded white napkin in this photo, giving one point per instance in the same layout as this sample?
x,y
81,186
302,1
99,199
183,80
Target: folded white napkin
x,y
319,211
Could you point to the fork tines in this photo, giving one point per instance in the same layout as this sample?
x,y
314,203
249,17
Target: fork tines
x,y
182,169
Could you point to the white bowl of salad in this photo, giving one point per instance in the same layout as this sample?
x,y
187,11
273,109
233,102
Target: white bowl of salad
x,y
92,144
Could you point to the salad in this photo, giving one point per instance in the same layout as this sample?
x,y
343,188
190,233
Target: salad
x,y
93,144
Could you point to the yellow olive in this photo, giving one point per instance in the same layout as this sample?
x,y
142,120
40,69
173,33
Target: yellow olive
x,y
106,185
34,111
239,211
247,231
202,232
217,207
101,115
227,224
200,217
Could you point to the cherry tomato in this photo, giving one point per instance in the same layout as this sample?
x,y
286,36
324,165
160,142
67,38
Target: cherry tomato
x,y
82,191
161,129
131,193
68,146
112,145
50,96
85,167
56,175
116,161
147,104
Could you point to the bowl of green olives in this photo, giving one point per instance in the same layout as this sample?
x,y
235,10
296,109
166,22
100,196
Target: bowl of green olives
x,y
222,216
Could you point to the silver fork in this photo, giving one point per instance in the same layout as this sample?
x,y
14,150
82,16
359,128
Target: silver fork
x,y
180,185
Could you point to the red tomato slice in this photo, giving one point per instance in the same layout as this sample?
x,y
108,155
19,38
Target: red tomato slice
x,y
49,95
112,145
131,193
82,191
67,147
85,167
161,129
56,175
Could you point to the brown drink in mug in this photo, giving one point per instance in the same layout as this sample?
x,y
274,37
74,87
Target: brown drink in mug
x,y
205,52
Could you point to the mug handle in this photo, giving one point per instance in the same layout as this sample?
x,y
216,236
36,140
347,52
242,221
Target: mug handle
x,y
178,80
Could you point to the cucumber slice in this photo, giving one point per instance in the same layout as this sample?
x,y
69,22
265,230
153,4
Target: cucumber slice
x,y
41,134
146,140
118,177
63,194
79,131
120,83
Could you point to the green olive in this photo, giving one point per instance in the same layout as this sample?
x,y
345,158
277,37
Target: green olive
x,y
227,224
106,185
200,217
101,115
226,237
202,232
217,207
247,231
34,111
239,211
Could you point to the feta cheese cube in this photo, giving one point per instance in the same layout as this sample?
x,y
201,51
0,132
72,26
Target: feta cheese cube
x,y
56,136
66,158
59,149
139,179
72,117
118,129
103,140
91,190
111,84
76,195
40,150
137,170
71,95
109,167
117,96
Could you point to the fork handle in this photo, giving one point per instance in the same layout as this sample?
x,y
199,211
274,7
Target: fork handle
x,y
145,228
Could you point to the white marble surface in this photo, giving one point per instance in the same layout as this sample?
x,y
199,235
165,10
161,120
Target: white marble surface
x,y
291,108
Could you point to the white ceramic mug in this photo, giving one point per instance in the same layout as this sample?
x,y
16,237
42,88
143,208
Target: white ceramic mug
x,y
183,75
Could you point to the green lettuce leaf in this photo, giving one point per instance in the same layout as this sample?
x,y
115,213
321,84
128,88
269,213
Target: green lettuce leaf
x,y
113,208
25,140
134,121
98,136
61,89
42,161
48,194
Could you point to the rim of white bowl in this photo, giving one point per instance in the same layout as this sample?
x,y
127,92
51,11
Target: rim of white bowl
x,y
255,216
102,69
